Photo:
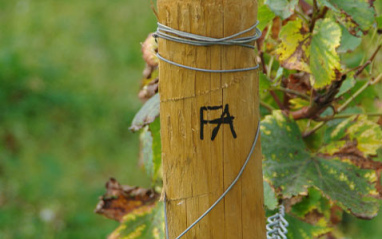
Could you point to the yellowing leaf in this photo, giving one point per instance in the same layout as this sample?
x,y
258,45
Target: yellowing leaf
x,y
294,50
365,134
292,168
324,60
142,223
298,103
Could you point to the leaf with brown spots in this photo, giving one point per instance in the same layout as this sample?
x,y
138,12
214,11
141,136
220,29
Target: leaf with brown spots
x,y
294,50
292,168
121,200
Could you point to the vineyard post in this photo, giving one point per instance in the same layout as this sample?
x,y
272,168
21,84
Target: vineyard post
x,y
209,122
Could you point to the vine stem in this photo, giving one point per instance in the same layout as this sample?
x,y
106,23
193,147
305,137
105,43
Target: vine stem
x,y
343,116
267,106
292,92
342,107
369,83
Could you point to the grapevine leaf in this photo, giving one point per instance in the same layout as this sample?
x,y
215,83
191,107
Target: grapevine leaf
x,y
264,82
298,103
314,201
151,150
292,168
146,153
348,41
282,8
270,199
347,85
156,149
358,130
147,114
294,50
354,14
265,16
324,60
119,200
379,22
301,230
143,223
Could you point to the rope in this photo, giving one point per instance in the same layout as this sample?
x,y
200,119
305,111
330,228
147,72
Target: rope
x,y
222,196
171,34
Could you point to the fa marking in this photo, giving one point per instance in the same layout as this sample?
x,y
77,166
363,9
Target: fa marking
x,y
225,118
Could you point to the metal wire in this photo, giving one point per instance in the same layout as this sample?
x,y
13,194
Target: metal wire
x,y
277,225
222,196
171,34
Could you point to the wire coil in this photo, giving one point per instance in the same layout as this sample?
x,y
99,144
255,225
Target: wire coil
x,y
171,34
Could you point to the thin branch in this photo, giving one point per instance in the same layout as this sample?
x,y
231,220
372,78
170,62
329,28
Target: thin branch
x,y
367,63
317,14
286,90
278,101
342,107
360,90
344,116
270,66
302,16
267,106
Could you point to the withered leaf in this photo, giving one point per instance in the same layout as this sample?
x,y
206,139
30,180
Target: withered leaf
x,y
149,50
121,200
147,114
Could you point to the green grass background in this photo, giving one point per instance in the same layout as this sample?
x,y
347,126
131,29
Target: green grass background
x,y
69,77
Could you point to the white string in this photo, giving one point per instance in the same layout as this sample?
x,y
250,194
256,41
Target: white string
x,y
222,196
171,34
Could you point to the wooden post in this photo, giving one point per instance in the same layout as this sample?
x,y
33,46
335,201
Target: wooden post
x,y
200,158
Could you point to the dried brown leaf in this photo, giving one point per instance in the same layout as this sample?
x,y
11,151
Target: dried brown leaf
x,y
120,200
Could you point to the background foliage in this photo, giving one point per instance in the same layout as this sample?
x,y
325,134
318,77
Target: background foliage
x,y
69,78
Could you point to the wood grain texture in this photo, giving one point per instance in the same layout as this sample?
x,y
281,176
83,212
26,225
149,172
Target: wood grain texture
x,y
196,172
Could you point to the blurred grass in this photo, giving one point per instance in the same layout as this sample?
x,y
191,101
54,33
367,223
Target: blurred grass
x,y
69,76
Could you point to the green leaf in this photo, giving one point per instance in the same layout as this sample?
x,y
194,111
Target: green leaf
x,y
289,166
147,114
314,201
147,150
270,199
324,60
348,41
282,8
157,149
265,16
143,223
294,50
151,150
347,85
379,22
355,14
301,230
264,82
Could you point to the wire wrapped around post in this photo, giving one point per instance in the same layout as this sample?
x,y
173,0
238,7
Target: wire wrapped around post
x,y
209,119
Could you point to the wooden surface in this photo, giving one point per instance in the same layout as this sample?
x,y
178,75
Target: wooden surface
x,y
197,171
